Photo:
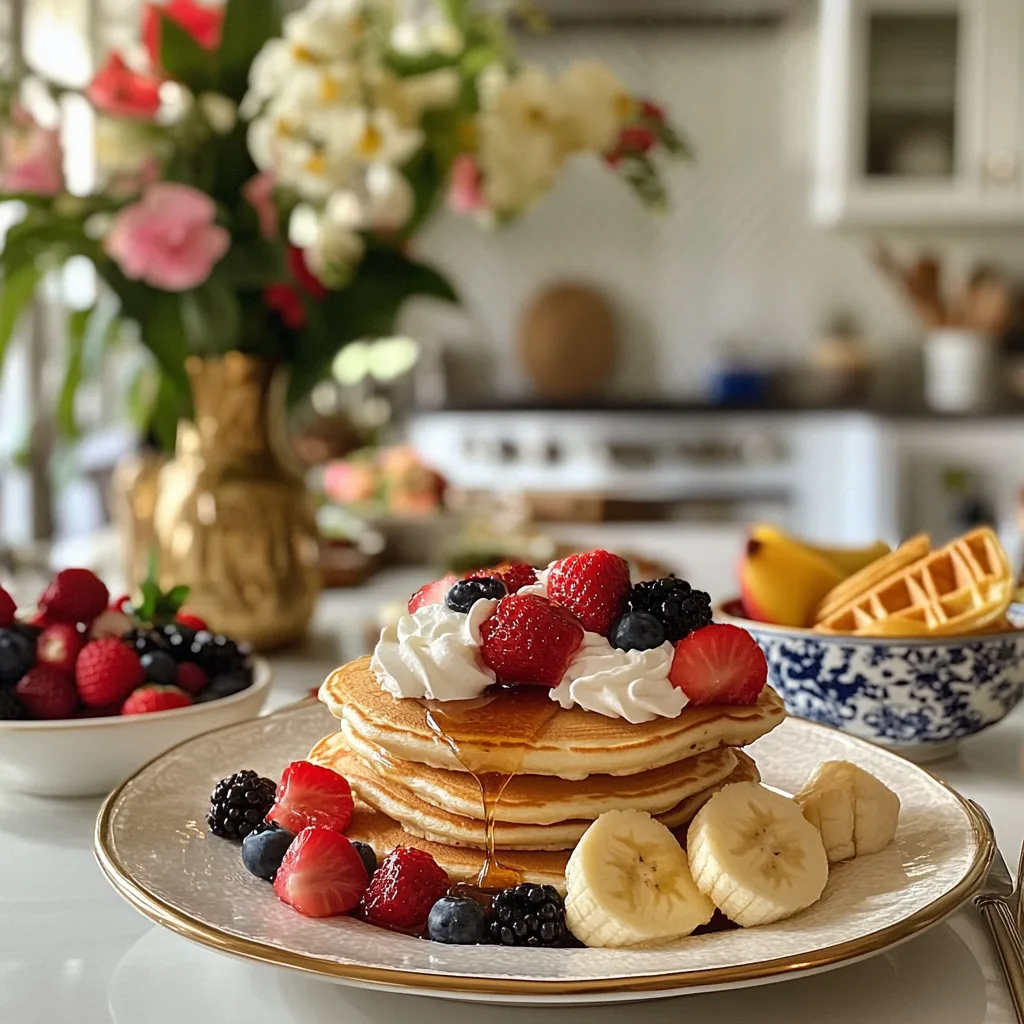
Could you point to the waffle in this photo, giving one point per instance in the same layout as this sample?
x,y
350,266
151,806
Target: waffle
x,y
961,588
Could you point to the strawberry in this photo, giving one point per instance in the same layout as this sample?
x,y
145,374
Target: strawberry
x,y
515,575
191,678
190,620
309,794
58,646
529,640
404,889
322,874
107,671
594,587
432,593
155,698
74,595
47,693
719,664
7,609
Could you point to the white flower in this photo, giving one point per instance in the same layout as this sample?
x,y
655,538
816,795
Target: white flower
x,y
357,135
335,253
409,97
270,69
596,105
419,37
325,30
389,199
303,226
219,110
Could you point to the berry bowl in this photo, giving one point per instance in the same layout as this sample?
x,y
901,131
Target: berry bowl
x,y
917,696
79,757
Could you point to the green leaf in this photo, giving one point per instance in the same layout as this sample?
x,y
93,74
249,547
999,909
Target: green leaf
x,y
168,408
456,11
248,24
252,265
184,59
211,316
78,322
164,335
16,292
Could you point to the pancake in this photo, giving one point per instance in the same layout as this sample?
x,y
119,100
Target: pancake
x,y
439,824
462,863
521,730
544,799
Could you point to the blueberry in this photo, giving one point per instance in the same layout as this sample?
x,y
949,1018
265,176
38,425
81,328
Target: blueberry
x,y
637,631
464,594
262,852
160,668
368,857
457,921
17,655
225,685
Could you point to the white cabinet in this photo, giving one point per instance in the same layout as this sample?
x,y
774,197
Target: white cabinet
x,y
920,113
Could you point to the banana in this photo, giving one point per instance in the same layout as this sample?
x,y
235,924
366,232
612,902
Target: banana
x,y
855,813
628,882
755,855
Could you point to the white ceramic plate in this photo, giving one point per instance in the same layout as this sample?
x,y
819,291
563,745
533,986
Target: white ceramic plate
x,y
152,844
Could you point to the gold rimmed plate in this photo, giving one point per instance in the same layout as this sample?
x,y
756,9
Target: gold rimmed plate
x,y
152,844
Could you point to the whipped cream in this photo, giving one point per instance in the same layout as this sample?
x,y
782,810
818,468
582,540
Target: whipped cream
x,y
434,653
540,588
633,685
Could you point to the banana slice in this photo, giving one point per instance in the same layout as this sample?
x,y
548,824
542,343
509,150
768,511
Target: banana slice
x,y
755,855
628,882
855,813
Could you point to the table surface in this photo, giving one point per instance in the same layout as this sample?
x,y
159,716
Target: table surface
x,y
73,952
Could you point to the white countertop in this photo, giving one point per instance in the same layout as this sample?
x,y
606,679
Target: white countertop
x,y
73,952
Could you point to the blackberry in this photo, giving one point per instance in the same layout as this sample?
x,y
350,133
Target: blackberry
x,y
179,640
145,641
674,603
529,915
239,804
17,655
217,654
11,709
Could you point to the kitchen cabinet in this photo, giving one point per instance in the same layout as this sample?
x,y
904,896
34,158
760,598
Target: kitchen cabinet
x,y
920,113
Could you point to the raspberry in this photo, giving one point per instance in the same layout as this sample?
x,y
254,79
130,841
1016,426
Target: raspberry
x,y
47,693
594,587
190,620
74,595
404,889
529,640
191,678
147,699
7,608
107,671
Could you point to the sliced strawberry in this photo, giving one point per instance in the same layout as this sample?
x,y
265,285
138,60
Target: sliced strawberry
x,y
58,646
594,586
309,794
7,608
515,575
432,593
719,664
529,640
322,874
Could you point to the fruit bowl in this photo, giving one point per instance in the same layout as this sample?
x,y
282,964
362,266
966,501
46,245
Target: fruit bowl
x,y
89,756
915,695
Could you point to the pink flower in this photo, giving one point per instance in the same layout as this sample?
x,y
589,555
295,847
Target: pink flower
x,y
168,239
465,187
121,92
31,158
259,194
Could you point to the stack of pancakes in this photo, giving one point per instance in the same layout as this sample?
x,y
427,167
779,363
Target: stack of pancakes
x,y
421,770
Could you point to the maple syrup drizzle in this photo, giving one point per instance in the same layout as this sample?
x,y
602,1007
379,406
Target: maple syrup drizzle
x,y
493,875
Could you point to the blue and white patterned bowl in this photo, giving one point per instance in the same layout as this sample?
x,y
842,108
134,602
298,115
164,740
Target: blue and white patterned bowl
x,y
916,695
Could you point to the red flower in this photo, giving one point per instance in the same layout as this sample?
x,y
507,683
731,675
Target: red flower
x,y
652,112
121,92
284,299
204,24
307,280
636,138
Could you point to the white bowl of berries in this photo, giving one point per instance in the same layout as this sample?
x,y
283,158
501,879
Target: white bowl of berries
x,y
90,691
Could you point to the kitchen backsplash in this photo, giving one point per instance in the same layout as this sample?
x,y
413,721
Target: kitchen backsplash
x,y
736,260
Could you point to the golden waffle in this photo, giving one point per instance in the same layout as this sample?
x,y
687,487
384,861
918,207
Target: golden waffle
x,y
523,731
463,863
960,588
438,824
872,575
543,799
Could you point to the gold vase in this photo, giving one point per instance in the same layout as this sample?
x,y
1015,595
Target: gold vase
x,y
233,519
